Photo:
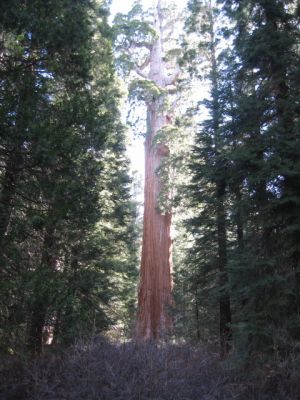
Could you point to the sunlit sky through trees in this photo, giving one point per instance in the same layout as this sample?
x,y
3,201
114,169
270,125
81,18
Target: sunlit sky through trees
x,y
136,148
124,6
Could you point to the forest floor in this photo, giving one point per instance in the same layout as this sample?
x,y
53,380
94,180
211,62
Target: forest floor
x,y
103,370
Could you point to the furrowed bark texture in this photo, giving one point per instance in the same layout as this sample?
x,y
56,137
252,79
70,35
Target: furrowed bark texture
x,y
155,290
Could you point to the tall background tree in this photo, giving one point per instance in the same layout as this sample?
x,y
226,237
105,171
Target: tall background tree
x,y
266,96
254,162
208,256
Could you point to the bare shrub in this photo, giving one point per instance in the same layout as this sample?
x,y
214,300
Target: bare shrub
x,y
100,370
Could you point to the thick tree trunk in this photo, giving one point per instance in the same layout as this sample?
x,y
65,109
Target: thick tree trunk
x,y
155,277
155,297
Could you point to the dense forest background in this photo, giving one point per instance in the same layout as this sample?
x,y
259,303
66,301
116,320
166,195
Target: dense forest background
x,y
70,220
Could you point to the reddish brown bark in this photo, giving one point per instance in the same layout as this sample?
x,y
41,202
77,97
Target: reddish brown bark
x,y
155,296
155,290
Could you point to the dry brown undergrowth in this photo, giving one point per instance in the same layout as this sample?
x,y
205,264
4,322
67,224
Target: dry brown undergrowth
x,y
102,370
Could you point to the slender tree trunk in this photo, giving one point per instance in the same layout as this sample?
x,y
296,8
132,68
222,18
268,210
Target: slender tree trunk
x,y
155,297
224,301
197,315
8,190
14,164
41,295
239,218
37,323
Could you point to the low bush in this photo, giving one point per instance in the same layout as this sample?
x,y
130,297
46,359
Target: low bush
x,y
101,370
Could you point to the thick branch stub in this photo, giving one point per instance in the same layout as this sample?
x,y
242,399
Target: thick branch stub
x,y
171,79
145,64
140,72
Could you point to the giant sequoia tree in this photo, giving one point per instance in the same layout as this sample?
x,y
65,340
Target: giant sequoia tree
x,y
141,40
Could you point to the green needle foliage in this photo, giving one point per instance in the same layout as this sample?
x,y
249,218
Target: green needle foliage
x,y
66,218
246,161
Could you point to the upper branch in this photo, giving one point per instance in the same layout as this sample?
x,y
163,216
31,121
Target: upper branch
x,y
145,63
138,68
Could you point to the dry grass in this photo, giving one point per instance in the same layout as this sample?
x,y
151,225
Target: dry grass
x,y
130,371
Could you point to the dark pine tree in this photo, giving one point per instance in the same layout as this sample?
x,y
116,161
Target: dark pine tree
x,y
209,182
59,131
